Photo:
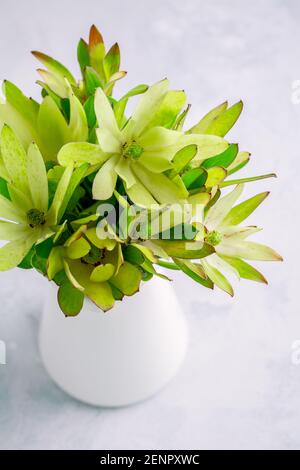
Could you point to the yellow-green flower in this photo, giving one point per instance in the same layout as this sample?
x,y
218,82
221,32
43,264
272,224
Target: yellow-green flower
x,y
43,123
229,239
27,218
140,152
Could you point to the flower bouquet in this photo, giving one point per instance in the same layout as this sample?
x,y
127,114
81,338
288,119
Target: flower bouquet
x,y
98,201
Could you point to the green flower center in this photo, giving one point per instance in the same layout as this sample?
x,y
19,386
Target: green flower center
x,y
214,238
132,150
35,217
94,256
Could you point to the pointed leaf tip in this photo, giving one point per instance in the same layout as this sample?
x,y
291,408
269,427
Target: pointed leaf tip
x,y
36,53
115,48
240,212
95,37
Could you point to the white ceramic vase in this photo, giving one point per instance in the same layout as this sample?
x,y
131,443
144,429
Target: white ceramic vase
x,y
119,357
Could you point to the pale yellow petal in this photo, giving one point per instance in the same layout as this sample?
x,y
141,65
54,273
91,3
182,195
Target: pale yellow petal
x,y
148,105
37,178
105,115
105,180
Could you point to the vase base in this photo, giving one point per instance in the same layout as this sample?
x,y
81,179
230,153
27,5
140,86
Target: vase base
x,y
117,358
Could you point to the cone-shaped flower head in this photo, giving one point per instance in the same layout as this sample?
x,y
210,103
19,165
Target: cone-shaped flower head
x,y
27,219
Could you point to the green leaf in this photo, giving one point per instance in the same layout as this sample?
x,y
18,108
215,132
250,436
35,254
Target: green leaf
x,y
208,146
182,158
208,119
149,104
58,200
57,84
26,262
215,176
239,162
162,188
198,202
133,255
224,159
168,265
137,90
249,250
128,279
119,110
83,54
46,90
105,180
20,200
146,276
146,252
75,180
3,171
182,231
217,213
111,82
92,80
3,188
225,121
60,278
54,66
90,112
9,211
101,294
149,268
70,299
53,128
78,127
43,249
37,178
39,263
26,107
185,250
97,51
80,153
195,271
169,109
181,119
79,248
217,277
247,180
78,194
111,62
14,158
55,263
240,212
20,113
103,272
117,294
212,201
14,252
194,178
245,270
55,173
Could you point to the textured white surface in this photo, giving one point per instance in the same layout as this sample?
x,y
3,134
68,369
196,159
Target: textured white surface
x,y
238,387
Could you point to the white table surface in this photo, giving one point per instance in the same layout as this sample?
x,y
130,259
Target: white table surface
x,y
238,387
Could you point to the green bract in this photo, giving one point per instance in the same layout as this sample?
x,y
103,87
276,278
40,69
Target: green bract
x,y
98,201
95,267
139,153
29,220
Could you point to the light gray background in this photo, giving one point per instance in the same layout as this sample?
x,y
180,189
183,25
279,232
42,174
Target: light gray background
x,y
238,388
